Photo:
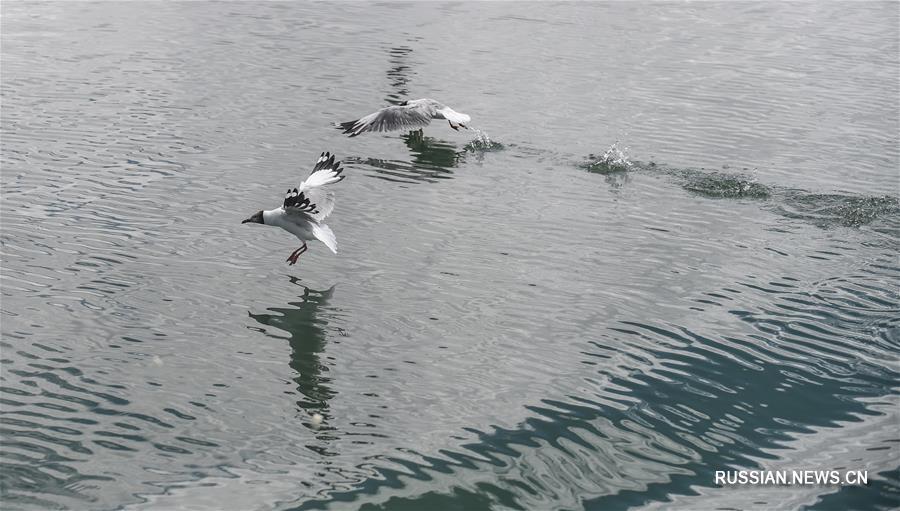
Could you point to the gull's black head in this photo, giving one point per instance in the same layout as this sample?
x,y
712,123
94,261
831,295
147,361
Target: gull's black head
x,y
257,218
405,103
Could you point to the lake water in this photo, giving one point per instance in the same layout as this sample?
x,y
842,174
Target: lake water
x,y
668,246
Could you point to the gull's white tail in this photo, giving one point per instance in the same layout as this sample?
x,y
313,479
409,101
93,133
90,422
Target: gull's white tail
x,y
324,173
324,234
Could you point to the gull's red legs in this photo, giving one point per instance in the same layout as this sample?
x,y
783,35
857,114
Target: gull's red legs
x,y
296,254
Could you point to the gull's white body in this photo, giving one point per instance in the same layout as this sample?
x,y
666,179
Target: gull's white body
x,y
303,227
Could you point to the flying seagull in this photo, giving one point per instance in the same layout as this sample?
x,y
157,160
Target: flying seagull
x,y
306,207
411,114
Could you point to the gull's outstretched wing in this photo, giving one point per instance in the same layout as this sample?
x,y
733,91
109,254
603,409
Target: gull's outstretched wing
x,y
391,118
326,172
309,199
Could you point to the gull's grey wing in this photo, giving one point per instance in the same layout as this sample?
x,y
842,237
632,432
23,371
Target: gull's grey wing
x,y
389,119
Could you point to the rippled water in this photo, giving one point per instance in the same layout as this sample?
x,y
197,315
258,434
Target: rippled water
x,y
668,247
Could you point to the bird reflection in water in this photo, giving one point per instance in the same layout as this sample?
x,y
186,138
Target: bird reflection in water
x,y
431,159
307,322
398,73
432,152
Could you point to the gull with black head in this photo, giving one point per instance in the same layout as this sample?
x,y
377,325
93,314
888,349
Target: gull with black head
x,y
412,114
305,208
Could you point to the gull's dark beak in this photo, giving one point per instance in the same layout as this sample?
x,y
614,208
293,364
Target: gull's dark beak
x,y
257,218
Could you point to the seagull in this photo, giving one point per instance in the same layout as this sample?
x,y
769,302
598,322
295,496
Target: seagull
x,y
306,207
414,113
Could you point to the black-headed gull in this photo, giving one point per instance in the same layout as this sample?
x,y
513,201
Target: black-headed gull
x,y
411,114
306,207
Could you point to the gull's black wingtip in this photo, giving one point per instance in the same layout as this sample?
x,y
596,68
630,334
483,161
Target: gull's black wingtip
x,y
348,127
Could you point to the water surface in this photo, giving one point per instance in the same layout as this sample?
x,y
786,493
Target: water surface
x,y
670,250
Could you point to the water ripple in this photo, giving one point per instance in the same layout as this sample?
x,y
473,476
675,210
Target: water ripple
x,y
522,329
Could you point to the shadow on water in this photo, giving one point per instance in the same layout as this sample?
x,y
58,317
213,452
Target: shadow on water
x,y
308,327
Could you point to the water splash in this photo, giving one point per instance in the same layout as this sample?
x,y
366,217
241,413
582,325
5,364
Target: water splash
x,y
482,142
828,210
879,213
722,185
615,159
